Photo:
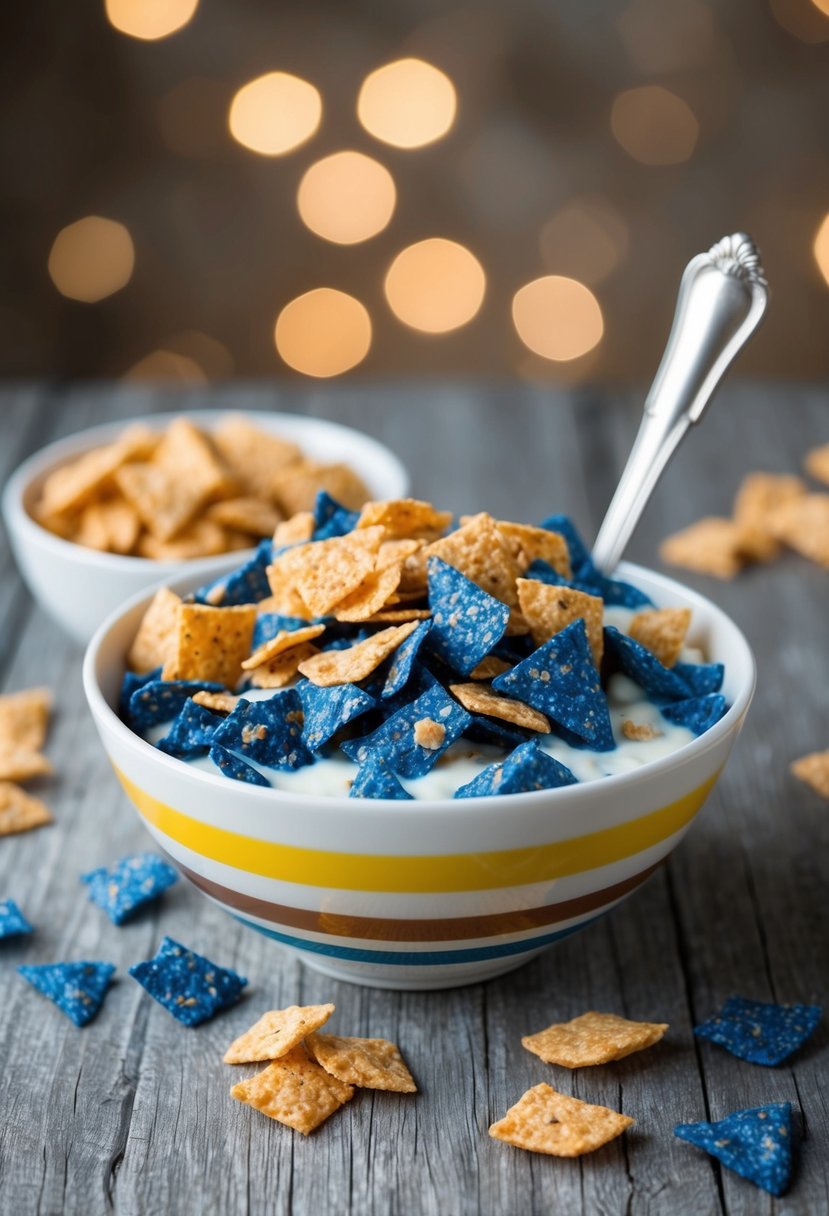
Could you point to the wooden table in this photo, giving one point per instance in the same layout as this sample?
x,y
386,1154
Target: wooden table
x,y
132,1114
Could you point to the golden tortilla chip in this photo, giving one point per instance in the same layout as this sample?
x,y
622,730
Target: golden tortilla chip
x,y
211,643
276,1032
759,495
545,1121
21,763
370,596
816,463
252,515
24,717
325,572
219,702
285,598
367,1063
406,517
282,670
295,1091
296,487
593,1038
814,770
529,544
19,811
639,732
710,546
480,699
204,538
414,579
395,552
74,485
155,641
354,664
803,524
254,456
286,639
548,610
396,616
662,631
296,530
480,552
489,668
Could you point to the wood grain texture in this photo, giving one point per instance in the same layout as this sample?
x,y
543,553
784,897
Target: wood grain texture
x,y
132,1115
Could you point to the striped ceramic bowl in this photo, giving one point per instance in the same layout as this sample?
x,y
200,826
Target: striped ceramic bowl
x,y
420,894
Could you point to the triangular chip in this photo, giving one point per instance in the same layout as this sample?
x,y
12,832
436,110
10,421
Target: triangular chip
x,y
466,620
759,1031
211,643
78,989
367,1063
479,699
354,664
19,811
755,1143
480,552
529,544
662,631
545,1121
593,1038
325,572
155,641
526,769
295,1091
548,610
814,770
276,1032
758,497
295,487
188,985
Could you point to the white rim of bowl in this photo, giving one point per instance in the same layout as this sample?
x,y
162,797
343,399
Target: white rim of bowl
x,y
61,451
490,804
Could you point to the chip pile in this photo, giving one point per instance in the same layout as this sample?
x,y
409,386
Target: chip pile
x,y
24,719
187,493
311,1075
391,636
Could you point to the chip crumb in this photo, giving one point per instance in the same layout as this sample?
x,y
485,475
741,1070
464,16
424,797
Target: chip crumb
x,y
814,770
710,546
294,1090
276,1032
429,734
545,1121
639,732
662,631
24,717
19,812
592,1038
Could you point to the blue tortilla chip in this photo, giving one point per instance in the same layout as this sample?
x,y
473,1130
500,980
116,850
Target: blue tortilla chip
x,y
403,660
759,1032
697,713
191,732
131,682
187,984
394,740
130,884
560,679
161,700
754,1143
234,768
268,732
643,667
331,518
269,624
12,921
327,709
376,780
701,678
527,768
466,621
580,559
246,585
78,989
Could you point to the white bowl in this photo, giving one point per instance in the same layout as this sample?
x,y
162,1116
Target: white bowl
x,y
78,586
420,894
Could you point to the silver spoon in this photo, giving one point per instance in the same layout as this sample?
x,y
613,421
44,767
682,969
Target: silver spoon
x,y
722,298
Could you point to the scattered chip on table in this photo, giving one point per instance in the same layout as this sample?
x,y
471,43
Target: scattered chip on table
x,y
276,1033
129,885
662,631
761,1032
211,643
12,921
188,985
19,764
295,1091
710,546
366,1063
803,524
24,717
545,1121
814,770
78,989
593,1038
358,661
19,811
755,1143
759,496
526,769
547,610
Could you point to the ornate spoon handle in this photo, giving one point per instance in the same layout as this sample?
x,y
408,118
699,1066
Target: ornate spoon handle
x,y
722,298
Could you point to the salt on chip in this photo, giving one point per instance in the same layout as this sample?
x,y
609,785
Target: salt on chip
x,y
545,1121
155,640
282,641
662,631
328,709
803,524
403,663
367,1063
412,750
814,770
356,662
369,596
191,731
230,766
479,699
268,732
276,1032
374,779
19,811
211,643
280,671
159,701
593,1038
548,610
128,885
531,544
756,1143
698,714
482,554
325,572
295,1091
12,921
406,517
710,546
644,668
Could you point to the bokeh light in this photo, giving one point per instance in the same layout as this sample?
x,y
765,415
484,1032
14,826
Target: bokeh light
x,y
208,353
149,19
275,113
435,285
821,248
806,19
323,333
654,126
557,318
166,366
346,197
91,259
586,239
407,103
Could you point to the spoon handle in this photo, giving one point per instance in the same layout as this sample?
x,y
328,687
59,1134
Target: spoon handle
x,y
721,301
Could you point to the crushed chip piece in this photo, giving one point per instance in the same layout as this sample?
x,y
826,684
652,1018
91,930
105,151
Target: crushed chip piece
x,y
408,518
710,546
755,1143
188,985
763,1033
367,1063
593,1038
662,631
803,524
276,1032
529,544
548,610
211,643
482,554
814,770
295,1091
479,699
19,811
78,989
130,884
285,639
545,1121
429,734
639,732
353,664
155,641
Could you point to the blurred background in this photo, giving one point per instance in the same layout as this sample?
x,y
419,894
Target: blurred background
x,y
199,189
